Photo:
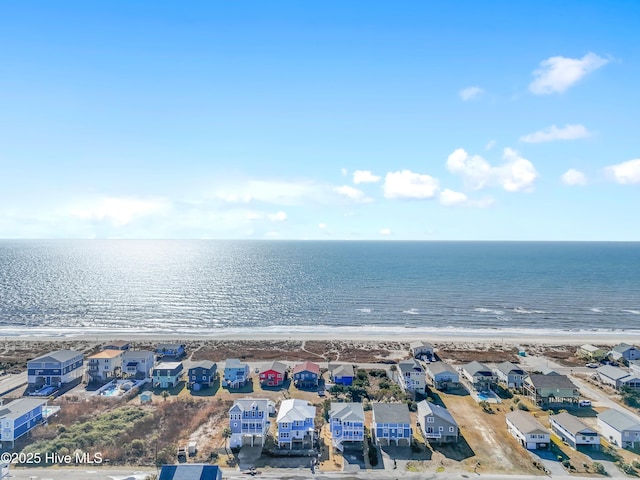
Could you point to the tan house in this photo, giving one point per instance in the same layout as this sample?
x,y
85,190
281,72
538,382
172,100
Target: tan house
x,y
591,352
105,365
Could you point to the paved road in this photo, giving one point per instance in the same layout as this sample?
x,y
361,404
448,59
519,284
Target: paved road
x,y
12,382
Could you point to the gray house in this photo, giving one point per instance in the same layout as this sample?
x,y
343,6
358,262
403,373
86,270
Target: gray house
x,y
436,423
619,428
391,424
442,375
479,375
571,430
628,352
420,348
510,374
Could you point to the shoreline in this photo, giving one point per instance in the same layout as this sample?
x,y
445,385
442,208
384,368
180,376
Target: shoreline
x,y
342,334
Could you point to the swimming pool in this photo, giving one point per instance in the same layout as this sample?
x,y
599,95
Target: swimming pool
x,y
111,392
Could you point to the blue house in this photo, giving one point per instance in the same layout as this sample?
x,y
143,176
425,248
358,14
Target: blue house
x,y
236,373
249,421
55,369
175,350
190,471
202,374
346,423
341,374
167,374
19,417
296,424
391,424
306,375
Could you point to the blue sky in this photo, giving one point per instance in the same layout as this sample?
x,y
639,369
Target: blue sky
x,y
320,120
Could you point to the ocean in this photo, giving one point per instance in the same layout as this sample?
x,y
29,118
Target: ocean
x,y
50,288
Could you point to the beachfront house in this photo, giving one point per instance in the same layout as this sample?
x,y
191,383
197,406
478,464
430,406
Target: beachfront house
x,y
167,374
619,428
117,345
346,424
104,365
421,349
296,424
436,423
572,431
552,389
411,376
391,424
625,351
137,364
479,376
236,373
273,375
617,377
55,369
591,352
18,418
443,376
527,430
202,374
341,374
190,471
510,375
249,422
173,350
306,375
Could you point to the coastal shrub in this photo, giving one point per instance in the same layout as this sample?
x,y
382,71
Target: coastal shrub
x,y
516,399
566,463
377,373
373,455
523,407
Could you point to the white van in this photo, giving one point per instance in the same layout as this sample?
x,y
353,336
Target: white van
x,y
585,403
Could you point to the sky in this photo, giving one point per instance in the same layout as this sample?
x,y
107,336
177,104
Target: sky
x,y
407,120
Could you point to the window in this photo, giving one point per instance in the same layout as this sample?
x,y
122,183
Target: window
x,y
440,429
430,420
452,429
284,435
284,425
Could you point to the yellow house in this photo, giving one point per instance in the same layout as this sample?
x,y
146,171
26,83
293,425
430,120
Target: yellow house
x,y
591,352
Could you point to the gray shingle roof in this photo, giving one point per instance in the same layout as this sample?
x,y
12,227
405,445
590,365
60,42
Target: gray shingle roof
x,y
426,408
206,364
619,420
508,367
526,423
441,367
19,407
342,370
348,411
391,413
623,347
570,423
475,368
551,381
614,373
58,356
410,366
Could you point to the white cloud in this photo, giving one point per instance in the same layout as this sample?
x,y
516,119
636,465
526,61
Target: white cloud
x,y
557,74
449,198
470,93
277,217
514,175
322,226
119,211
352,193
407,184
568,132
364,176
573,177
253,216
626,172
344,172
385,231
490,145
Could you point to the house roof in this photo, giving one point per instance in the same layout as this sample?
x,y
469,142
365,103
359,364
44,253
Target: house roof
x,y
206,364
276,367
167,365
348,411
614,373
410,366
342,370
508,367
441,367
19,407
619,420
570,423
420,344
307,367
137,353
234,363
58,356
169,346
190,471
550,381
249,403
107,354
391,413
475,368
587,347
526,423
623,347
426,408
293,409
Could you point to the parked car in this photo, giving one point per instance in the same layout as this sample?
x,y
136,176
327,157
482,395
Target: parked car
x,y
585,403
592,365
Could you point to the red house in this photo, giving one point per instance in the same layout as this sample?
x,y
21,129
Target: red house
x,y
273,375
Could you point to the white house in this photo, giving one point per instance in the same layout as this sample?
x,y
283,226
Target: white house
x,y
617,377
571,430
296,424
411,376
619,428
249,421
105,365
442,375
18,417
137,363
55,369
527,430
420,348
